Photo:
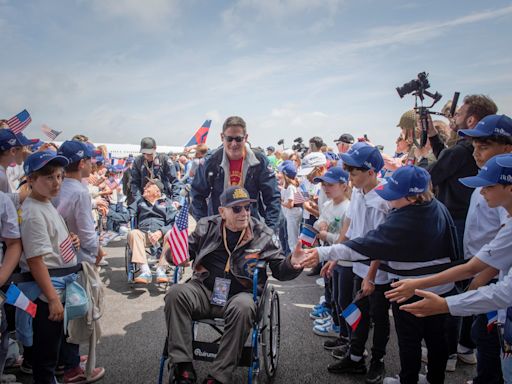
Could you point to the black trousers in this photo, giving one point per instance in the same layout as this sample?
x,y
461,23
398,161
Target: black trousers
x,y
488,350
47,338
410,331
342,289
374,307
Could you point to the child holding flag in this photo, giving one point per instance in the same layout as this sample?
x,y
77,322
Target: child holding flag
x,y
291,201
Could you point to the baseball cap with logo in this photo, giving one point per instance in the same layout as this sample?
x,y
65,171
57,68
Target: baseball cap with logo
x,y
346,138
8,140
75,150
492,125
497,170
235,195
363,155
148,145
334,175
288,168
405,181
310,162
38,160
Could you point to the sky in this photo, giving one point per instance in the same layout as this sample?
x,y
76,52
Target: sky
x,y
119,70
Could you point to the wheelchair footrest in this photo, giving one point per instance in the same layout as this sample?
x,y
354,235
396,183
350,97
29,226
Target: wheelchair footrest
x,y
208,351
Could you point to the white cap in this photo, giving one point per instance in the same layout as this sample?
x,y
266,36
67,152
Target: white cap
x,y
310,161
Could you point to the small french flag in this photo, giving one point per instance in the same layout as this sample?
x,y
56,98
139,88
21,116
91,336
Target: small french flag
x,y
352,315
492,319
17,298
307,236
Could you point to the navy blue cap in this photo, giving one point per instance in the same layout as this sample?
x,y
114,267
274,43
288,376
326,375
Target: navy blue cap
x,y
331,156
271,148
235,195
497,170
492,125
363,155
405,181
25,141
288,168
9,140
99,159
75,150
38,160
333,176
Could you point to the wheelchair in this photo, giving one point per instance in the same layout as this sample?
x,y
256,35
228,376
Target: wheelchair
x,y
153,254
261,356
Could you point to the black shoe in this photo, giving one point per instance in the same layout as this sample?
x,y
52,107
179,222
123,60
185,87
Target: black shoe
x,y
340,352
211,380
347,365
376,372
184,373
315,270
335,343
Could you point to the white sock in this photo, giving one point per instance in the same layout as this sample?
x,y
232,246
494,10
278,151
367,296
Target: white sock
x,y
355,358
144,268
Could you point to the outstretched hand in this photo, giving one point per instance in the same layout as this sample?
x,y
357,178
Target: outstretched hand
x,y
402,290
431,304
297,256
312,258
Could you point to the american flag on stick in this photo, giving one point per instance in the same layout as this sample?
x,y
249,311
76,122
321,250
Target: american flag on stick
x,y
19,122
67,250
178,236
50,133
298,197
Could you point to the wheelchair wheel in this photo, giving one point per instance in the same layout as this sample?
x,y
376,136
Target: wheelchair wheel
x,y
130,267
271,335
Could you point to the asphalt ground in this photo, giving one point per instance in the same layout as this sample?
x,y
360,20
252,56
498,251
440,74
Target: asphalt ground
x,y
134,332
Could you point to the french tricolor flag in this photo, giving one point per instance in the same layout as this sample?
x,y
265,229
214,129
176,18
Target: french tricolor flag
x,y
352,315
307,236
492,319
17,298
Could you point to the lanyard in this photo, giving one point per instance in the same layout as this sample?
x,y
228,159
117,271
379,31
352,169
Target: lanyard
x,y
224,238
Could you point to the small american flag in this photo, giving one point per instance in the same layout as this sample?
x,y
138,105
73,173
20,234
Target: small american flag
x,y
50,133
298,198
19,122
67,250
178,236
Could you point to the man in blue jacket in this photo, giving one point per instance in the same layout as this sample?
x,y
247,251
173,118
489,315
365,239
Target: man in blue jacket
x,y
236,164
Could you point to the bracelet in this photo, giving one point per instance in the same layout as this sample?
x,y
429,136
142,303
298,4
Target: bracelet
x,y
372,282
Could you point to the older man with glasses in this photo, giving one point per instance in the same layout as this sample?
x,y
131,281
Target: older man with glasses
x,y
236,164
224,249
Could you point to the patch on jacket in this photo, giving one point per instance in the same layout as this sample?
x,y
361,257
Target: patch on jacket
x,y
249,266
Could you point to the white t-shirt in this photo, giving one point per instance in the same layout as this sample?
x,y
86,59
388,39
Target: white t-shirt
x,y
329,214
289,194
9,228
43,231
482,224
366,212
74,204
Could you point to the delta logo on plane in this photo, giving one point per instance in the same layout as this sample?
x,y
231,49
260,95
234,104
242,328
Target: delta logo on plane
x,y
200,135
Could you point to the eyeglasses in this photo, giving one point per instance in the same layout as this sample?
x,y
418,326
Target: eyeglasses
x,y
238,139
237,208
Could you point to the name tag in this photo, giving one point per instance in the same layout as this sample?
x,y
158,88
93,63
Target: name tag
x,y
220,291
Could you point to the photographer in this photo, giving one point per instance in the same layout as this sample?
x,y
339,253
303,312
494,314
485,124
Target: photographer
x,y
315,144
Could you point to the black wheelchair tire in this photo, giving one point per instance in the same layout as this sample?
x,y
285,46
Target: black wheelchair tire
x,y
127,258
271,336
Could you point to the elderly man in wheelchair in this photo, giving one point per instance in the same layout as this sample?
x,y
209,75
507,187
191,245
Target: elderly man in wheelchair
x,y
154,215
225,249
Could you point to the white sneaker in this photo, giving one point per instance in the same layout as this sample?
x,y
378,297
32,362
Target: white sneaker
x,y
424,355
123,229
451,364
467,357
324,321
422,379
11,379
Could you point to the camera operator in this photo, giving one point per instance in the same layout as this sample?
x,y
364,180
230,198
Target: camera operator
x,y
315,144
457,161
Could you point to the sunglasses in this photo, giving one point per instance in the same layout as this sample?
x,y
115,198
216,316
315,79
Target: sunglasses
x,y
238,139
238,208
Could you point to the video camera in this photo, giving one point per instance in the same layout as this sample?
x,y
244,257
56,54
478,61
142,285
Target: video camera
x,y
299,146
418,87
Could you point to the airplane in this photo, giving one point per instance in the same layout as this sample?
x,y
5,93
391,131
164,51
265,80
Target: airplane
x,y
120,151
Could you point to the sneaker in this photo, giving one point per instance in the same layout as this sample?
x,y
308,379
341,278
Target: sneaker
x,y
143,278
340,352
77,376
330,330
103,262
320,313
323,322
336,343
123,230
161,277
422,379
467,357
375,373
347,365
451,364
11,379
26,367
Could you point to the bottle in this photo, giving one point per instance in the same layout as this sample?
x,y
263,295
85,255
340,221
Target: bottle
x,y
334,226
